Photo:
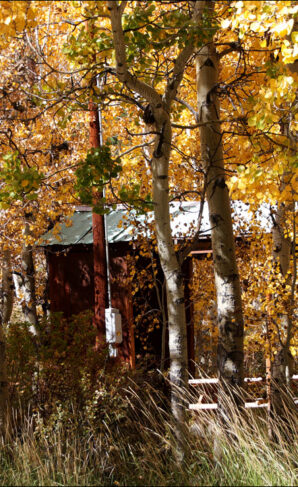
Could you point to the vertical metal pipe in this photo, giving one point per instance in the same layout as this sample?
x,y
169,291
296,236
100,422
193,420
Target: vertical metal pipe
x,y
109,293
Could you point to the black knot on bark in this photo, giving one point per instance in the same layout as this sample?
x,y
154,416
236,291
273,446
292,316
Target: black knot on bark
x,y
215,219
208,98
233,277
148,116
220,182
209,63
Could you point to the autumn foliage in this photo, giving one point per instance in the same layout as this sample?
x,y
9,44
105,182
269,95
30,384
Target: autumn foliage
x,y
139,62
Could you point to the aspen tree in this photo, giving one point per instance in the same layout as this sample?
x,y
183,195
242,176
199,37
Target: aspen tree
x,y
7,287
228,293
284,247
25,281
159,117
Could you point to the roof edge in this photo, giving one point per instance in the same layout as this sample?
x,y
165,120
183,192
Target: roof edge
x,y
83,208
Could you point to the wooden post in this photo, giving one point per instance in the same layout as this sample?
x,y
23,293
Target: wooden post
x,y
99,251
268,382
132,356
187,270
268,370
269,352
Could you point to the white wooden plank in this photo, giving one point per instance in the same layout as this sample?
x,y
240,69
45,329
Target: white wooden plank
x,y
214,405
248,405
254,379
199,407
203,381
256,404
214,380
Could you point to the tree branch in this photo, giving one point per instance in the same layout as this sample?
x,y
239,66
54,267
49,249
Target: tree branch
x,y
143,89
174,82
183,253
134,148
234,46
181,61
187,105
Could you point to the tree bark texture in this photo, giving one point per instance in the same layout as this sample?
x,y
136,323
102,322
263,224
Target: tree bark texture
x,y
282,367
168,259
3,383
227,283
7,287
283,363
7,305
24,283
160,107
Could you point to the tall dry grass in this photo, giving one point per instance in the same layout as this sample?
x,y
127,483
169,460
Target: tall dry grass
x,y
138,447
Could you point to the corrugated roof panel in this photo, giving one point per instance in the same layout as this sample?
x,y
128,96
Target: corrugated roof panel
x,y
184,219
79,232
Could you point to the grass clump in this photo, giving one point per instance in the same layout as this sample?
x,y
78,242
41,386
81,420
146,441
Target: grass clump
x,y
79,420
137,448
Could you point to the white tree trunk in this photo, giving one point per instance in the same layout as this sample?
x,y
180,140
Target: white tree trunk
x,y
283,363
228,293
3,383
6,313
282,245
24,282
282,367
169,262
160,108
7,287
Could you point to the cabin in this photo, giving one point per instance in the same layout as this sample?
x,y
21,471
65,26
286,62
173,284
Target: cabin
x,y
71,276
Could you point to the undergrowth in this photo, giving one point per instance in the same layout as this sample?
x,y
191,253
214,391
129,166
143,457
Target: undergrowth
x,y
138,448
75,420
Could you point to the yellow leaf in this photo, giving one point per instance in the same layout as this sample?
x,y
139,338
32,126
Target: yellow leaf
x,y
256,27
284,28
24,183
225,23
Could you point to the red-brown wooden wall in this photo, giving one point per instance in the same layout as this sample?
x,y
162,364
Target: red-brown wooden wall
x,y
71,290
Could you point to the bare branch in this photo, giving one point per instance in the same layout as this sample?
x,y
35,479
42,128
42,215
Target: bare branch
x,y
174,82
187,105
134,148
234,46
